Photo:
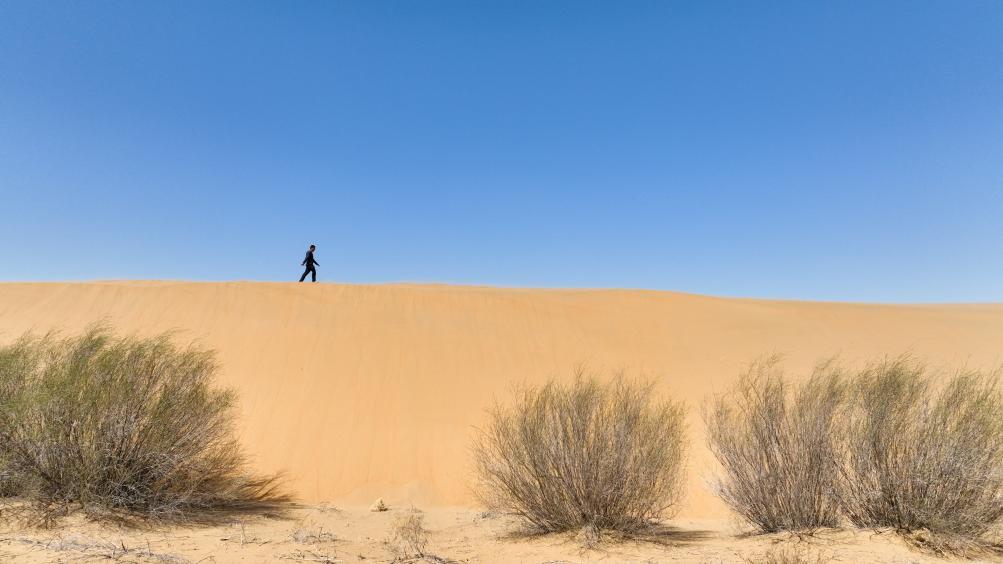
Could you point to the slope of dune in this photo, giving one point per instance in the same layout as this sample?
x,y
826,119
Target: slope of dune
x,y
364,391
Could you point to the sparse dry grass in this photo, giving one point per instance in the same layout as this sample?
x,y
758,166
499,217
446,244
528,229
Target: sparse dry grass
x,y
779,447
310,556
583,455
409,538
121,425
78,547
784,554
311,534
926,454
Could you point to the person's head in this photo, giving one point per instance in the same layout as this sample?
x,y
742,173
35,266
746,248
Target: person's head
x,y
313,247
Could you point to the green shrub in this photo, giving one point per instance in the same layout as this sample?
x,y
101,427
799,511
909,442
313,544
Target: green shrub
x,y
592,455
122,424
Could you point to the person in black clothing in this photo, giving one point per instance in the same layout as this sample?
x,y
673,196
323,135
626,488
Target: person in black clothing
x,y
309,262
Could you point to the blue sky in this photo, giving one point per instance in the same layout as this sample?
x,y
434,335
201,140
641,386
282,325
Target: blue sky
x,y
815,150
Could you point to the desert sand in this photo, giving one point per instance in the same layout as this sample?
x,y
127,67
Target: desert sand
x,y
362,391
327,533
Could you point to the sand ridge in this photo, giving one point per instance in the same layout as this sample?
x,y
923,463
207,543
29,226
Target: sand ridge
x,y
365,391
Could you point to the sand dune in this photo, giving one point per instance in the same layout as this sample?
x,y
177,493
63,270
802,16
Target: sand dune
x,y
365,391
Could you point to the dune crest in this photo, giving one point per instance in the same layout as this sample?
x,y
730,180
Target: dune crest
x,y
366,391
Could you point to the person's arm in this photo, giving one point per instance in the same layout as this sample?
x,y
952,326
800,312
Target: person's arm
x,y
315,262
304,260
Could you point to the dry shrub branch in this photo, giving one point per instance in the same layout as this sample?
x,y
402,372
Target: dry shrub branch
x,y
779,447
583,454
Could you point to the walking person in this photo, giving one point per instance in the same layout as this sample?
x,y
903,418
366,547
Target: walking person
x,y
310,264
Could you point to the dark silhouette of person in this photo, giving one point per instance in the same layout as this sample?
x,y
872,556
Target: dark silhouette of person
x,y
310,264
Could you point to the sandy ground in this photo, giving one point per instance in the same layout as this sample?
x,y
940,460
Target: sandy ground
x,y
326,533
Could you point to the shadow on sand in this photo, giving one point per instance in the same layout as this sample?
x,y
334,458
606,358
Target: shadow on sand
x,y
24,513
586,540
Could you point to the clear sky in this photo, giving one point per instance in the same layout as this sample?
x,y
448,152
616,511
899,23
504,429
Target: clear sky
x,y
817,150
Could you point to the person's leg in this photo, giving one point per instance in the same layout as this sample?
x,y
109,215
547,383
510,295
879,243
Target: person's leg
x,y
305,272
313,274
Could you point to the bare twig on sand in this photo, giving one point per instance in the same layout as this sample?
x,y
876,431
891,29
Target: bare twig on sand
x,y
309,556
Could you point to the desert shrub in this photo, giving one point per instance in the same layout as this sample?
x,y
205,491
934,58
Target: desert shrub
x,y
585,454
779,446
925,454
132,424
17,360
